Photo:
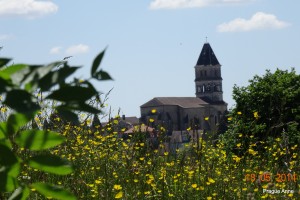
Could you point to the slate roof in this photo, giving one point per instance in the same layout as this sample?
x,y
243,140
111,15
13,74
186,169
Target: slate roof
x,y
207,56
184,102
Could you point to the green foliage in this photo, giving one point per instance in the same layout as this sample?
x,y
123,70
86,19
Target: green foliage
x,y
19,84
51,163
56,192
38,140
9,169
70,94
18,120
21,101
109,167
96,63
56,77
3,62
275,97
99,75
267,107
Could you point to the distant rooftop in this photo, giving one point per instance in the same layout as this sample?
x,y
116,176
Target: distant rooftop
x,y
184,102
207,56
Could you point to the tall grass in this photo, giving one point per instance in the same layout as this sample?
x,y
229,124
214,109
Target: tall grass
x,y
109,167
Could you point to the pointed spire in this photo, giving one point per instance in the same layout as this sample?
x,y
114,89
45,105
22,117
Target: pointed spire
x,y
207,56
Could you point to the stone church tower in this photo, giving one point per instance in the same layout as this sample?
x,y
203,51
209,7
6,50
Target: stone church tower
x,y
208,76
206,110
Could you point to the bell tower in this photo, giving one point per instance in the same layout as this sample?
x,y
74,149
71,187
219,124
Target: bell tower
x,y
208,79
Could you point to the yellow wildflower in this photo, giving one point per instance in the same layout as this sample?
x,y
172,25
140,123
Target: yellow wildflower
x,y
119,195
255,114
236,159
251,151
210,180
117,187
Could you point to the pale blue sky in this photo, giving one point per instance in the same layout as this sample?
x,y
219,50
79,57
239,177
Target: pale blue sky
x,y
153,45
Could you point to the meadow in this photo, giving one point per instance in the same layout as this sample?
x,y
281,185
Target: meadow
x,y
109,167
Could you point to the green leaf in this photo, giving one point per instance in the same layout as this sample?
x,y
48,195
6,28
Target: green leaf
x,y
6,142
79,106
8,72
38,139
17,120
7,183
4,84
4,61
14,170
21,101
52,164
9,160
67,114
36,73
72,93
56,77
3,130
102,76
20,194
44,70
96,62
9,169
53,191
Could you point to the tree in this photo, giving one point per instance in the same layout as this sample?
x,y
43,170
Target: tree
x,y
267,107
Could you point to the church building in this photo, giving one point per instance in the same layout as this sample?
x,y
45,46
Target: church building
x,y
204,111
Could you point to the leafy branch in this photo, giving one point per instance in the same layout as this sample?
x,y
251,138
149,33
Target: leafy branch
x,y
18,83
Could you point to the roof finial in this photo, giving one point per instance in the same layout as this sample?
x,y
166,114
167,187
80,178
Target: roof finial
x,y
206,39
